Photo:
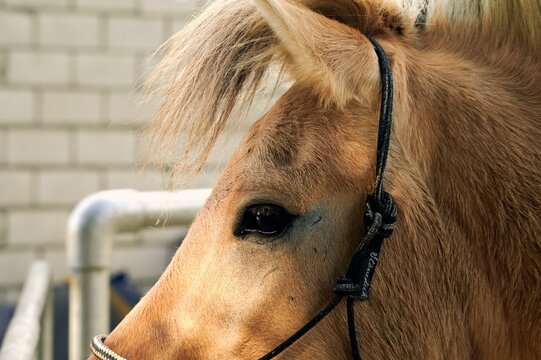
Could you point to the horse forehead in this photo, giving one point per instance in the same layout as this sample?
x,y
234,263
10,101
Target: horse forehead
x,y
295,130
292,168
294,149
290,149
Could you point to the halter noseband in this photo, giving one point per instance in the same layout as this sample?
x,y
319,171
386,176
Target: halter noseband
x,y
101,351
380,219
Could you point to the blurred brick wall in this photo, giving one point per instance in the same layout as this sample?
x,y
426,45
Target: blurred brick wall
x,y
68,125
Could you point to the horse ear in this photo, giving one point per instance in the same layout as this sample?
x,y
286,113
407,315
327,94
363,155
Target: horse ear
x,y
333,57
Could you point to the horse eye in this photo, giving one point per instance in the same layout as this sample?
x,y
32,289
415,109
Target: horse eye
x,y
265,219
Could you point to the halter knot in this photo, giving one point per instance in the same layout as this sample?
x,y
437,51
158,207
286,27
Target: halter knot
x,y
382,210
346,286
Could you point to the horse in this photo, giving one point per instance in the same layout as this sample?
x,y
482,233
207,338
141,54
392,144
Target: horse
x,y
459,278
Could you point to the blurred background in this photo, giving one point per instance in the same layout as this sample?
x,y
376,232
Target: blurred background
x,y
70,126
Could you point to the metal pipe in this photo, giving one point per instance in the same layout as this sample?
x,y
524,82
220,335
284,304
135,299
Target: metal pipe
x,y
46,336
90,230
26,330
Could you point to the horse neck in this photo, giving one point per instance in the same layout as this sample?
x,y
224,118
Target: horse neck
x,y
473,128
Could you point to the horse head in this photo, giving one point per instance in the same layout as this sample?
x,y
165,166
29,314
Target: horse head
x,y
286,215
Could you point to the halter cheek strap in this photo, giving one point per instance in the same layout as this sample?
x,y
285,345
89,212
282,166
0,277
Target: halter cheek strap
x,y
380,219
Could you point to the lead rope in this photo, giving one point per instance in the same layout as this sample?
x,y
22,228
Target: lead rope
x,y
380,219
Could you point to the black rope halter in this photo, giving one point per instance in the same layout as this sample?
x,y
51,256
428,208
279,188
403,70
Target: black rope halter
x,y
380,219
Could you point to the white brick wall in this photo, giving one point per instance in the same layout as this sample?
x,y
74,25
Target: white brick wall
x,y
105,70
68,30
3,65
3,229
32,4
37,147
14,263
106,5
105,147
29,67
3,147
15,27
36,227
121,107
71,107
69,124
133,33
117,179
16,188
17,106
125,109
52,186
170,7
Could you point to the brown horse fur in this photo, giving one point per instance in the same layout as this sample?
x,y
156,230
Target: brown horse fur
x,y
460,277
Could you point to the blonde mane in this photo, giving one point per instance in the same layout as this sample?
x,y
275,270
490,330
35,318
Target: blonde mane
x,y
211,70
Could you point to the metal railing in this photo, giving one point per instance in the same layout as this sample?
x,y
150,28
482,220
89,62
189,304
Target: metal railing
x,y
30,331
91,227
